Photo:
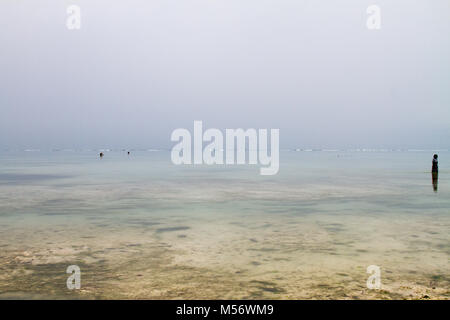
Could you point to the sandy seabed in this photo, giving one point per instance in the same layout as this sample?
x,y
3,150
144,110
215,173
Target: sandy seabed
x,y
225,260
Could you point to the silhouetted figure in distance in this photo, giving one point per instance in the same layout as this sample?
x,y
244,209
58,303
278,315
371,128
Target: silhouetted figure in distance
x,y
435,167
101,154
435,173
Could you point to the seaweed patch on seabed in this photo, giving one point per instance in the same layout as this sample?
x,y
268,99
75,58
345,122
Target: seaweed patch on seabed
x,y
119,263
171,229
21,178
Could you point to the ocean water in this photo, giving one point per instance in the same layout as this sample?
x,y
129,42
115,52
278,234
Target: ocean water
x,y
140,227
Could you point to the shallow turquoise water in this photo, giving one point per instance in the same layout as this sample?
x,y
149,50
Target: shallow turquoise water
x,y
325,213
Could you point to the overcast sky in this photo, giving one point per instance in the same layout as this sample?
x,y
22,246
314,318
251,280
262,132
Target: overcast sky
x,y
138,69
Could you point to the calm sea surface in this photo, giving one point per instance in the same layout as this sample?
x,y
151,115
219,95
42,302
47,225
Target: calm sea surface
x,y
140,227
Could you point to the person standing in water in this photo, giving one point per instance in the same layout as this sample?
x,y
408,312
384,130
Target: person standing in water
x,y
435,167
434,172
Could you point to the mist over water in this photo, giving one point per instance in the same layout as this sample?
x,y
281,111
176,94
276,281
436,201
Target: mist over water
x,y
360,112
137,70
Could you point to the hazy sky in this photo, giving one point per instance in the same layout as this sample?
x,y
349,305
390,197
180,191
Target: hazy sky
x,y
138,69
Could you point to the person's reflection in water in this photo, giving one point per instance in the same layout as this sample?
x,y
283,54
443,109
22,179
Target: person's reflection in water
x,y
434,177
435,173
